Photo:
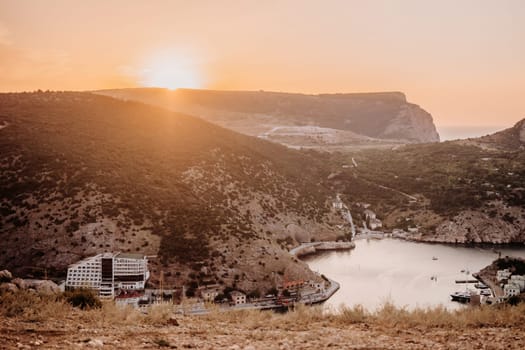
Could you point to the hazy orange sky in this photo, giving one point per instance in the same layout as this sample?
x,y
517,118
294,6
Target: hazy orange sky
x,y
463,60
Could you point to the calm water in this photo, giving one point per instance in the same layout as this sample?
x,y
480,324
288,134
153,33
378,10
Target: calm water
x,y
399,271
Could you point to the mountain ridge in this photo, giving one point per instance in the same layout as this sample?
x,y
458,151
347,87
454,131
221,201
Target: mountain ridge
x,y
382,115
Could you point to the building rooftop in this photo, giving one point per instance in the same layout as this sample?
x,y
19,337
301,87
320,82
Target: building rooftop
x,y
129,255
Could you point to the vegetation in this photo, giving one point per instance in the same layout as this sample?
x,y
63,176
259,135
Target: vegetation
x,y
82,298
445,179
56,322
82,173
27,305
515,265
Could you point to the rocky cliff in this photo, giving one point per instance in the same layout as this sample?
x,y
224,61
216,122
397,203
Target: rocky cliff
x,y
383,116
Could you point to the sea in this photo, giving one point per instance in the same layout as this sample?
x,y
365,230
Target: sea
x,y
407,274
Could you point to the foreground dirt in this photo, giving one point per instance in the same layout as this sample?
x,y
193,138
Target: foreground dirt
x,y
203,333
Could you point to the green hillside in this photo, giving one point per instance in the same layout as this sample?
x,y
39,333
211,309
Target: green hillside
x,y
431,184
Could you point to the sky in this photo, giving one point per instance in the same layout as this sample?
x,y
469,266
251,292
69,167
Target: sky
x,y
462,60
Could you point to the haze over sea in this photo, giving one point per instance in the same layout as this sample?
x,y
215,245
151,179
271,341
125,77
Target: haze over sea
x,y
447,133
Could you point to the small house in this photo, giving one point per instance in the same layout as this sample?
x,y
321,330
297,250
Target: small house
x,y
209,294
511,289
518,280
502,275
238,298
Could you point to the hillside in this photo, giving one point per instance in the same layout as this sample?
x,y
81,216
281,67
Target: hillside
x,y
359,119
83,173
510,139
466,191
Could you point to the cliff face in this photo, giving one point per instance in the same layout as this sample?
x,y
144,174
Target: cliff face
x,y
412,123
383,116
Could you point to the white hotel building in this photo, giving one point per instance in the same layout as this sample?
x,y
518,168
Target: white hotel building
x,y
108,273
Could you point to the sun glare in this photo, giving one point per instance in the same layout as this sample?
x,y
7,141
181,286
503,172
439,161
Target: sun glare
x,y
172,71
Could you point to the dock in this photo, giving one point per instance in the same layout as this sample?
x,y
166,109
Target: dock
x,y
467,281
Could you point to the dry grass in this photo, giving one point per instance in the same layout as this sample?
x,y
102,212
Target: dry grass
x,y
33,307
386,316
392,316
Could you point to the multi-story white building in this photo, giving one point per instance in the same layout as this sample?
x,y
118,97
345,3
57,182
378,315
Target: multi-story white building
x,y
109,272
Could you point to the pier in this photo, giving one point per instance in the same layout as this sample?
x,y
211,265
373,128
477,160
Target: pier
x,y
467,281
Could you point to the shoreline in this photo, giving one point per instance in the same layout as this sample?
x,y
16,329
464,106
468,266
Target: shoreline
x,y
314,247
406,237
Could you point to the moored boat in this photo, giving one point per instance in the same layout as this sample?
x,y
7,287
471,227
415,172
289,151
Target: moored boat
x,y
462,297
485,292
481,286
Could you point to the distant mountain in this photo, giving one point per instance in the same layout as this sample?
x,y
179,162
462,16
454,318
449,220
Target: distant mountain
x,y
82,174
368,117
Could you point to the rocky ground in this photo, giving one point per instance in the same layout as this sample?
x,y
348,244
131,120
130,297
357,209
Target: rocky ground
x,y
205,333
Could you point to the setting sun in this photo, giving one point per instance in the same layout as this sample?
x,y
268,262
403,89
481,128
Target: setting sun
x,y
170,70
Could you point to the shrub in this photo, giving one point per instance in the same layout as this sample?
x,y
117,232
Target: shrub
x,y
82,298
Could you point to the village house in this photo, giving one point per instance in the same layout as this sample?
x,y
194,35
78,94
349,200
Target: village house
x,y
292,286
209,293
511,289
238,298
518,280
503,275
338,203
372,221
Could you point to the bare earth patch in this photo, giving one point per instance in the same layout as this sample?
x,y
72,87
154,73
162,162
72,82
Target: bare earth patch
x,y
296,330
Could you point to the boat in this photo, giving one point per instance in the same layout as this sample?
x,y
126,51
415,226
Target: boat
x,y
434,258
462,297
481,286
485,292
